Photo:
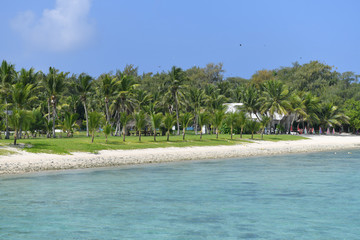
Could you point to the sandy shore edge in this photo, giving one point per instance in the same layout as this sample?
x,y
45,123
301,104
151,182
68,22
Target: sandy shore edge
x,y
25,162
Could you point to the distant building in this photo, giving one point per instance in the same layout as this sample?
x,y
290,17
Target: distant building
x,y
277,118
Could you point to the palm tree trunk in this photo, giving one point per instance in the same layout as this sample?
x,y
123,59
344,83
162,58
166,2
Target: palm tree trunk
x,y
262,134
54,116
15,137
231,132
241,132
106,139
217,133
124,133
183,133
177,115
48,134
252,135
196,123
140,135
93,135
49,110
200,134
87,120
155,135
7,133
107,109
168,134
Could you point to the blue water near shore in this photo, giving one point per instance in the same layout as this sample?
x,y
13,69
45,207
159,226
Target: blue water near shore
x,y
301,196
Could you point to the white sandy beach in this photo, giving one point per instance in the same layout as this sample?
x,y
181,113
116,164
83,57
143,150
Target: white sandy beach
x,y
23,162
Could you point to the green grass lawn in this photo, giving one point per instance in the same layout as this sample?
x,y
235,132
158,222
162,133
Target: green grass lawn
x,y
81,143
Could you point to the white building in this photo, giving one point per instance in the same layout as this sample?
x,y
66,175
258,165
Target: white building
x,y
278,118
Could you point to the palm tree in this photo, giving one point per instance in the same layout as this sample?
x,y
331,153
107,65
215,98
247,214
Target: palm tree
x,y
231,121
107,131
124,100
28,76
312,107
124,119
204,119
275,98
331,116
297,106
215,101
217,120
94,123
17,119
142,99
250,100
54,84
22,96
83,86
140,122
108,87
185,118
241,122
168,123
196,98
265,120
175,85
252,126
69,123
156,120
7,76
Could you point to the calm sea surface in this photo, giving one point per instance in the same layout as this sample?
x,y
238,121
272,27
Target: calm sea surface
x,y
304,196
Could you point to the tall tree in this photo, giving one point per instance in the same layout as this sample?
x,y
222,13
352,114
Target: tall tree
x,y
7,75
275,99
250,100
175,85
196,98
83,86
108,87
54,84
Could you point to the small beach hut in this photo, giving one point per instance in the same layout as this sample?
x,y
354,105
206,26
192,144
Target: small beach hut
x,y
328,131
333,130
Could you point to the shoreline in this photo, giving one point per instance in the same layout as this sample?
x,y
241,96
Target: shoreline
x,y
24,162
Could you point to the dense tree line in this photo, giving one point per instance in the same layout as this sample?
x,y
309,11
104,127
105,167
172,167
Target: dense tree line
x,y
313,94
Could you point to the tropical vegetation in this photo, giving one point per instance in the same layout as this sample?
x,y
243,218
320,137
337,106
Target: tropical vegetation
x,y
124,103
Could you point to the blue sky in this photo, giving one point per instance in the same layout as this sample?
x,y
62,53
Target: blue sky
x,y
97,36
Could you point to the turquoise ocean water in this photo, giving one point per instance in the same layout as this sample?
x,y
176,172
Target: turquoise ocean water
x,y
302,196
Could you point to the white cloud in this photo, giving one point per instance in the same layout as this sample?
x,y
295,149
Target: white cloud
x,y
63,28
